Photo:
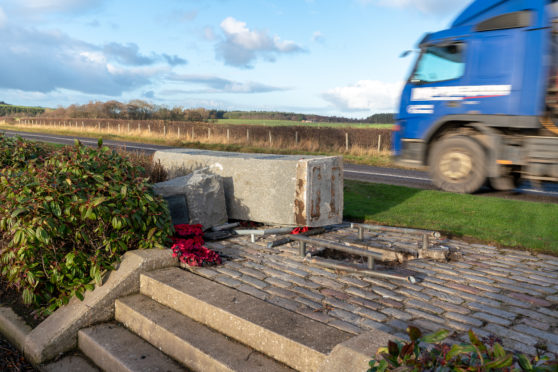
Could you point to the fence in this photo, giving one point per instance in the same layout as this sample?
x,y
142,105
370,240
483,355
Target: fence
x,y
302,137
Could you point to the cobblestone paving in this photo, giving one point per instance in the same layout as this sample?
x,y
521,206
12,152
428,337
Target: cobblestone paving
x,y
506,293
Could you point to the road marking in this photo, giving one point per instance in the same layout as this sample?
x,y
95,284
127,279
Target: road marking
x,y
388,175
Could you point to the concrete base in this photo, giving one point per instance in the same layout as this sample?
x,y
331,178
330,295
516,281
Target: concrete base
x,y
274,189
58,333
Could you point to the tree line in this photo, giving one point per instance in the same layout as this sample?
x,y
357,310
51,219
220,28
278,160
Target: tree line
x,y
142,110
10,110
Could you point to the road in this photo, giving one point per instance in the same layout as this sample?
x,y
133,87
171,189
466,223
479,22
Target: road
x,y
366,173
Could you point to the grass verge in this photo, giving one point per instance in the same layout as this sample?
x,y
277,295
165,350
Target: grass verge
x,y
507,223
356,155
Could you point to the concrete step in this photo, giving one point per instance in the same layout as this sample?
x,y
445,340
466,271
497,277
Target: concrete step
x,y
115,349
288,337
190,343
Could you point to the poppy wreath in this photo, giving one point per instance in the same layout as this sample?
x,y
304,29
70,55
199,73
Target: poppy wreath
x,y
188,246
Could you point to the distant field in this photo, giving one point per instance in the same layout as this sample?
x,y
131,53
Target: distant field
x,y
289,123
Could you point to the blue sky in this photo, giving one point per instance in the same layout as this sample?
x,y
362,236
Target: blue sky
x,y
308,56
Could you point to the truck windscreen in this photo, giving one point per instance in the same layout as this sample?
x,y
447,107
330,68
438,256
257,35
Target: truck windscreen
x,y
440,63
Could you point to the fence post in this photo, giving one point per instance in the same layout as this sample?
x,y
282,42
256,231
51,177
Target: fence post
x,y
247,135
128,127
296,138
178,132
164,130
228,135
149,128
82,126
139,127
208,133
379,142
193,134
118,128
346,141
270,139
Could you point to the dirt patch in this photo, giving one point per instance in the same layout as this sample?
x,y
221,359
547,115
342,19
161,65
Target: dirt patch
x,y
12,298
11,359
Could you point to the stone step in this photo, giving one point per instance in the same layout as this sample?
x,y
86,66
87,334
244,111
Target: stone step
x,y
188,342
291,338
115,349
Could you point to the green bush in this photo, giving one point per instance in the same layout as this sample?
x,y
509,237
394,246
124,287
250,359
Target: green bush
x,y
16,152
67,218
429,353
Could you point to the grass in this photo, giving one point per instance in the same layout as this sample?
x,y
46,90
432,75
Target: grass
x,y
356,154
507,223
290,123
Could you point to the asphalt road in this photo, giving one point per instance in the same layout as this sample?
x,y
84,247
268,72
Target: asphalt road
x,y
391,176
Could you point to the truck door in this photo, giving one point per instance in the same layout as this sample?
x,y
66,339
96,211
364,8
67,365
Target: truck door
x,y
430,92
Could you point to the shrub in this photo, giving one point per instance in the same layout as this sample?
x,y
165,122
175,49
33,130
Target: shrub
x,y
68,218
429,353
16,152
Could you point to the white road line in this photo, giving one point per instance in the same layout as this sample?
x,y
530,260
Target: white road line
x,y
388,175
90,142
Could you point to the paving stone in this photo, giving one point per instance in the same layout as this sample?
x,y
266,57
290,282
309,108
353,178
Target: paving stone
x,y
320,272
491,310
535,323
464,319
421,305
553,299
390,303
276,282
227,280
398,324
413,294
316,315
386,293
444,296
284,303
354,281
544,277
281,292
519,347
552,348
290,270
326,282
531,281
345,316
229,272
412,287
439,288
506,299
379,282
549,312
252,291
481,299
535,315
492,319
434,280
347,327
253,281
374,315
333,293
424,315
371,324
364,303
530,299
528,288
311,304
207,273
458,326
367,294
485,288
339,304
313,295
546,336
463,288
508,333
253,265
255,273
397,314
304,283
450,307
428,325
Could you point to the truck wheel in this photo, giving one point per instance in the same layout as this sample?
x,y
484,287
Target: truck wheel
x,y
457,164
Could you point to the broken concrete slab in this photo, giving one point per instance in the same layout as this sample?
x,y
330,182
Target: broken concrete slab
x,y
273,189
198,198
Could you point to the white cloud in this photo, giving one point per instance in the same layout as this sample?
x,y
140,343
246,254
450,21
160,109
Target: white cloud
x,y
439,7
318,37
216,84
241,46
369,95
3,18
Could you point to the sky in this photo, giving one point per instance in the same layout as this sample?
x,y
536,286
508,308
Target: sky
x,y
326,57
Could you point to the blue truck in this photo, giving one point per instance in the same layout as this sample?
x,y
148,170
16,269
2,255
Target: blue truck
x,y
480,106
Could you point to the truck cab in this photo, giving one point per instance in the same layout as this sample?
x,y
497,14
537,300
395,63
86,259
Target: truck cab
x,y
480,102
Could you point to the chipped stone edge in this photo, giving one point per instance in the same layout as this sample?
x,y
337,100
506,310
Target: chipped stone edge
x,y
355,353
57,334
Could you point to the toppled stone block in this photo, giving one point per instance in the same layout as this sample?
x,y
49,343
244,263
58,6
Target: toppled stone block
x,y
198,198
273,189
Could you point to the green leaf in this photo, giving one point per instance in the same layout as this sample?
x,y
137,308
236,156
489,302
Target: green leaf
x,y
98,201
124,191
18,211
475,341
438,336
383,366
100,142
524,363
42,235
499,351
501,362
